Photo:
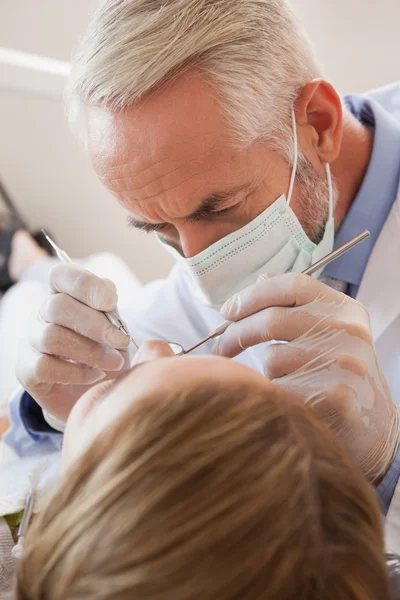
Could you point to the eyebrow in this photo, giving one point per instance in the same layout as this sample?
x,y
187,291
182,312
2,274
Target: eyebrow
x,y
206,208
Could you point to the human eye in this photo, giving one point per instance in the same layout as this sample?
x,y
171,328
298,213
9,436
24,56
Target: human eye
x,y
146,227
204,215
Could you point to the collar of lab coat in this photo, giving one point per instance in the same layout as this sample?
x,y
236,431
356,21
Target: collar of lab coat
x,y
374,200
380,287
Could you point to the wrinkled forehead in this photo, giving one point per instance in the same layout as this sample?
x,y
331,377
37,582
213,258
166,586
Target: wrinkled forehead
x,y
182,119
161,169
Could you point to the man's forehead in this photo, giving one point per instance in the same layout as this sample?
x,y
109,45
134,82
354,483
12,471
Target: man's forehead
x,y
183,118
152,165
167,155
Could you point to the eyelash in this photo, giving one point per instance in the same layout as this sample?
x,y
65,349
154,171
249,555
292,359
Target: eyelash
x,y
217,213
195,219
148,228
153,228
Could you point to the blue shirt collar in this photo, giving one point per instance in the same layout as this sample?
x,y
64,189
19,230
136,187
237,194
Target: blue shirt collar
x,y
377,193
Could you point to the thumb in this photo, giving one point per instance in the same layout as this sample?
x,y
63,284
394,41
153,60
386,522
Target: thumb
x,y
110,284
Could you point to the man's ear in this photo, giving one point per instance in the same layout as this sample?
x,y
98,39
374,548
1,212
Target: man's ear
x,y
319,117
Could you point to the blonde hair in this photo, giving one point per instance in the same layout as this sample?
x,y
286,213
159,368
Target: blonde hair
x,y
253,51
209,494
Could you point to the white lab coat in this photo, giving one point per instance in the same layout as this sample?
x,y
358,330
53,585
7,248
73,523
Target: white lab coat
x,y
380,293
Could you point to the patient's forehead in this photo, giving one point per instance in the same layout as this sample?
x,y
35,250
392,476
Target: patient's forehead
x,y
167,373
158,380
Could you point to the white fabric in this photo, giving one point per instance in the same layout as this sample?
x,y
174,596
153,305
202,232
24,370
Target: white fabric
x,y
6,453
16,477
380,293
55,423
17,307
274,242
7,562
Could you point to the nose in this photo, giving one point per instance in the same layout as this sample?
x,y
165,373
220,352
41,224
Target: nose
x,y
196,237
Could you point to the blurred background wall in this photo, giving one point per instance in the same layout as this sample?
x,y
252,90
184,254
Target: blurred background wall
x,y
49,176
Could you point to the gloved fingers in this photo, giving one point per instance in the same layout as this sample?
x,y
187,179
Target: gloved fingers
x,y
289,323
61,309
58,399
318,376
285,359
151,350
312,372
365,434
97,293
275,323
256,329
290,289
51,339
335,403
35,369
110,283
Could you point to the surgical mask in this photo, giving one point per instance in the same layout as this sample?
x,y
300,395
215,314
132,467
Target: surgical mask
x,y
274,242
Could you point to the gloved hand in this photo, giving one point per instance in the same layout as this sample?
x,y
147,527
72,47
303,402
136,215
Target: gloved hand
x,y
329,359
70,327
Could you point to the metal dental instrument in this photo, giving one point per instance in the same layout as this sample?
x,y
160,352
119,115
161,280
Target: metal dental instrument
x,y
113,315
309,271
27,515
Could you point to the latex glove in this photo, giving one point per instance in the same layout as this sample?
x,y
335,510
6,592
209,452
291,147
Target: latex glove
x,y
329,359
71,345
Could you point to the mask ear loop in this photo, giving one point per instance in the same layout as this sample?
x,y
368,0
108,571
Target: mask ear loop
x,y
295,158
294,170
330,187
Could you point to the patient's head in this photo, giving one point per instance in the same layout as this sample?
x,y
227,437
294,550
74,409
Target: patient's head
x,y
210,483
152,381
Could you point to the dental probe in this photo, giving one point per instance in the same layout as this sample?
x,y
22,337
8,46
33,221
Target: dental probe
x,y
113,315
309,271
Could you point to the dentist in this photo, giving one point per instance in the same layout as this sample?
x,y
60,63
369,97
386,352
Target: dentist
x,y
211,124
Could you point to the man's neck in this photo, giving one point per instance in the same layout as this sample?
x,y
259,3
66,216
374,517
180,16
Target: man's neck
x,y
352,163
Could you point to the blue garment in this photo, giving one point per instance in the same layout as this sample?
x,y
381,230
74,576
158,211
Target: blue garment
x,y
378,190
387,486
29,433
380,109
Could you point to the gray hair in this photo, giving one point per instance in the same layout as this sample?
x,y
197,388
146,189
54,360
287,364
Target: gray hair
x,y
254,53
